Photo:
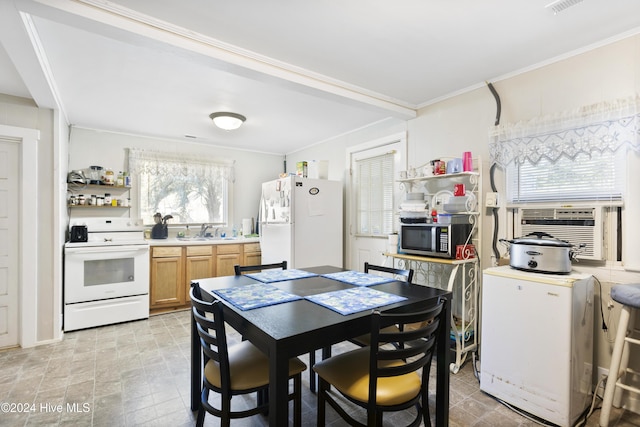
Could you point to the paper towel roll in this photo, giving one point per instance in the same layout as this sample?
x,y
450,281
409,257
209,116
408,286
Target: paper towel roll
x,y
393,244
246,226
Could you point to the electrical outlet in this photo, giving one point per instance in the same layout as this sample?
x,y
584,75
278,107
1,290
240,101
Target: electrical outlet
x,y
491,200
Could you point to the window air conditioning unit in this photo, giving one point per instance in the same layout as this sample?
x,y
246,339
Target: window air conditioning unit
x,y
574,225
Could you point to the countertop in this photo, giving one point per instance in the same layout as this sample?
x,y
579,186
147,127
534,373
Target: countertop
x,y
192,241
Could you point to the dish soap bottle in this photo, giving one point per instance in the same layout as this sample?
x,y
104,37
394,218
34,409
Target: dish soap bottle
x,y
187,232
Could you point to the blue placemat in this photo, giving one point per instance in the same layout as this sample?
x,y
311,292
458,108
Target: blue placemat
x,y
255,295
357,278
269,276
353,300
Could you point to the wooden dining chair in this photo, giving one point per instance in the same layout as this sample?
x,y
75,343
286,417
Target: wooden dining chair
x,y
364,340
239,269
234,370
383,378
407,275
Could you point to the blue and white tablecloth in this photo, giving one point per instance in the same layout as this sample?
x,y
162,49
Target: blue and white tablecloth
x,y
357,278
354,300
255,295
270,276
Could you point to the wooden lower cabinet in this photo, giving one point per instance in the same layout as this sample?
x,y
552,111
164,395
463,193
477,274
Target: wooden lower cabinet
x,y
228,256
199,265
174,267
167,277
252,254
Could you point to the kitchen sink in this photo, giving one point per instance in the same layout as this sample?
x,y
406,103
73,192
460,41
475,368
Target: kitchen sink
x,y
201,239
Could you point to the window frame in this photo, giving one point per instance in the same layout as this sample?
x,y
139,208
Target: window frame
x,y
180,163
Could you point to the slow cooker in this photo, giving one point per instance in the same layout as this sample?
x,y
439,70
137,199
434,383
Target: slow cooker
x,y
541,253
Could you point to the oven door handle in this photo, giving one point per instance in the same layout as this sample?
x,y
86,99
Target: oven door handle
x,y
103,249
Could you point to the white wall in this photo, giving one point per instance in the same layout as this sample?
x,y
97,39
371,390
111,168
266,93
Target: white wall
x,y
107,149
462,123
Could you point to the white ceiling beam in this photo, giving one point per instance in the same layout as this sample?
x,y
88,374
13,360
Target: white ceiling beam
x,y
264,68
16,33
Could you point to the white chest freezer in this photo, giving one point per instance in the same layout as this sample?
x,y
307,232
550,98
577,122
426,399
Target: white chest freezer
x,y
537,342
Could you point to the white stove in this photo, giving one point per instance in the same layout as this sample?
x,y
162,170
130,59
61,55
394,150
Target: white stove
x,y
107,276
109,232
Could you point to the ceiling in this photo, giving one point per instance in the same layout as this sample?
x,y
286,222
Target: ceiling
x,y
301,72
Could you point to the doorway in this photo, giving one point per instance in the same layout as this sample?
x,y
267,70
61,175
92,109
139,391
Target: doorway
x,y
18,240
373,198
9,244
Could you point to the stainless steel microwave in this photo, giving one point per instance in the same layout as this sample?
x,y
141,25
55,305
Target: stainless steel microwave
x,y
432,240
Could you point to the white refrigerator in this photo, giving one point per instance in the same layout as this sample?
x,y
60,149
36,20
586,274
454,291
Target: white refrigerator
x,y
301,222
537,341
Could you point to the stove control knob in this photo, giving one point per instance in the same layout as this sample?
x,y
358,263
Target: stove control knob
x,y
532,264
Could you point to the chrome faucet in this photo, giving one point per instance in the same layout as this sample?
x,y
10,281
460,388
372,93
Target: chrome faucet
x,y
203,230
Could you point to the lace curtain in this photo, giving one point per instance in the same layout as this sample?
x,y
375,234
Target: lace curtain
x,y
163,163
597,128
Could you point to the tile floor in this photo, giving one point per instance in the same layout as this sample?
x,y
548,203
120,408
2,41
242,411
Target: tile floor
x,y
137,374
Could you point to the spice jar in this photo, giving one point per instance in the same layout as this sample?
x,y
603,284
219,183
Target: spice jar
x,y
93,200
100,201
81,199
107,199
120,180
72,200
109,177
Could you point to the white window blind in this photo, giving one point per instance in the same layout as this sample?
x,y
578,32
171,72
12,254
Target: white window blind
x,y
595,177
374,199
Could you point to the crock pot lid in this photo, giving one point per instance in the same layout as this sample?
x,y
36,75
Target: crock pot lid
x,y
541,241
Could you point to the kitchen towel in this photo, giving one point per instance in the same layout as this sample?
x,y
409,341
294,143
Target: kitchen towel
x,y
357,278
255,295
354,300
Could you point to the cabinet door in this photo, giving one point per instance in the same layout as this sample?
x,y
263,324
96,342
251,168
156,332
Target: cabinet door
x,y
225,263
252,258
197,267
252,254
167,282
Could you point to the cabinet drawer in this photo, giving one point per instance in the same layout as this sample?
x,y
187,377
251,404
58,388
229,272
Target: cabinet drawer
x,y
251,247
199,250
166,251
228,249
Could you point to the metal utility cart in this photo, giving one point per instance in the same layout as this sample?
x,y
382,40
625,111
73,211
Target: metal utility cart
x,y
460,276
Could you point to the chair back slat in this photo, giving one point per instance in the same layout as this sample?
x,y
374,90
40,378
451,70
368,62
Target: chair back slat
x,y
413,348
407,274
211,330
239,269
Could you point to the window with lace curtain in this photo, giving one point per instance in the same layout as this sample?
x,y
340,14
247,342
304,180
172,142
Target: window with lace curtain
x,y
193,190
574,156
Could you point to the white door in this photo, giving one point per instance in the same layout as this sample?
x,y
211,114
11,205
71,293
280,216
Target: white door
x,y
9,249
369,231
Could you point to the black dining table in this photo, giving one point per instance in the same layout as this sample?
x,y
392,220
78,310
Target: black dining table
x,y
290,329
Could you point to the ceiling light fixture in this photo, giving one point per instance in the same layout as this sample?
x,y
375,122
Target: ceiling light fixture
x,y
227,121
